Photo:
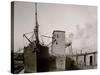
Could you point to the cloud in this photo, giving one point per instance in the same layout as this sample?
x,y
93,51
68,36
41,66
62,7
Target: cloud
x,y
86,36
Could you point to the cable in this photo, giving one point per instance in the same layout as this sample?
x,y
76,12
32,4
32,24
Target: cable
x,y
46,36
41,38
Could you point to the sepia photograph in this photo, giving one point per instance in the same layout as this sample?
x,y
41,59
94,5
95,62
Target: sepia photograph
x,y
52,37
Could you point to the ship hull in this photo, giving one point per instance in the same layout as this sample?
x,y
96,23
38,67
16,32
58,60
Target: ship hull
x,y
36,61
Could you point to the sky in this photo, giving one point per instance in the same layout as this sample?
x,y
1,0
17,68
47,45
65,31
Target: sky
x,y
78,21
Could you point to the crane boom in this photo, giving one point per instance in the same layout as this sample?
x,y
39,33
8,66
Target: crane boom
x,y
27,38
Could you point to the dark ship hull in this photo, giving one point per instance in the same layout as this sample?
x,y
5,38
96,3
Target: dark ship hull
x,y
36,61
43,59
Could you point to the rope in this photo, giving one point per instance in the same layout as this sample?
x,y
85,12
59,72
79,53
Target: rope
x,y
41,38
46,36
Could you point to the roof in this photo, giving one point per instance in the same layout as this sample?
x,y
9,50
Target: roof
x,y
58,31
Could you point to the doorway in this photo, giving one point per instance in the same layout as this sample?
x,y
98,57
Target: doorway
x,y
91,60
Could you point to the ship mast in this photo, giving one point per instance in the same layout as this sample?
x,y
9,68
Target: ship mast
x,y
36,25
35,31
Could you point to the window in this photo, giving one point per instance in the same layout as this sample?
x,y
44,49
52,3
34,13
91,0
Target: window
x,y
54,36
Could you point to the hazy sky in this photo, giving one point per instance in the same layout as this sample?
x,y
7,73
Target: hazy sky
x,y
80,22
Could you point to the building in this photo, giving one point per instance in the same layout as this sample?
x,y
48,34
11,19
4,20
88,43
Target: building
x,y
58,48
58,42
85,60
70,60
